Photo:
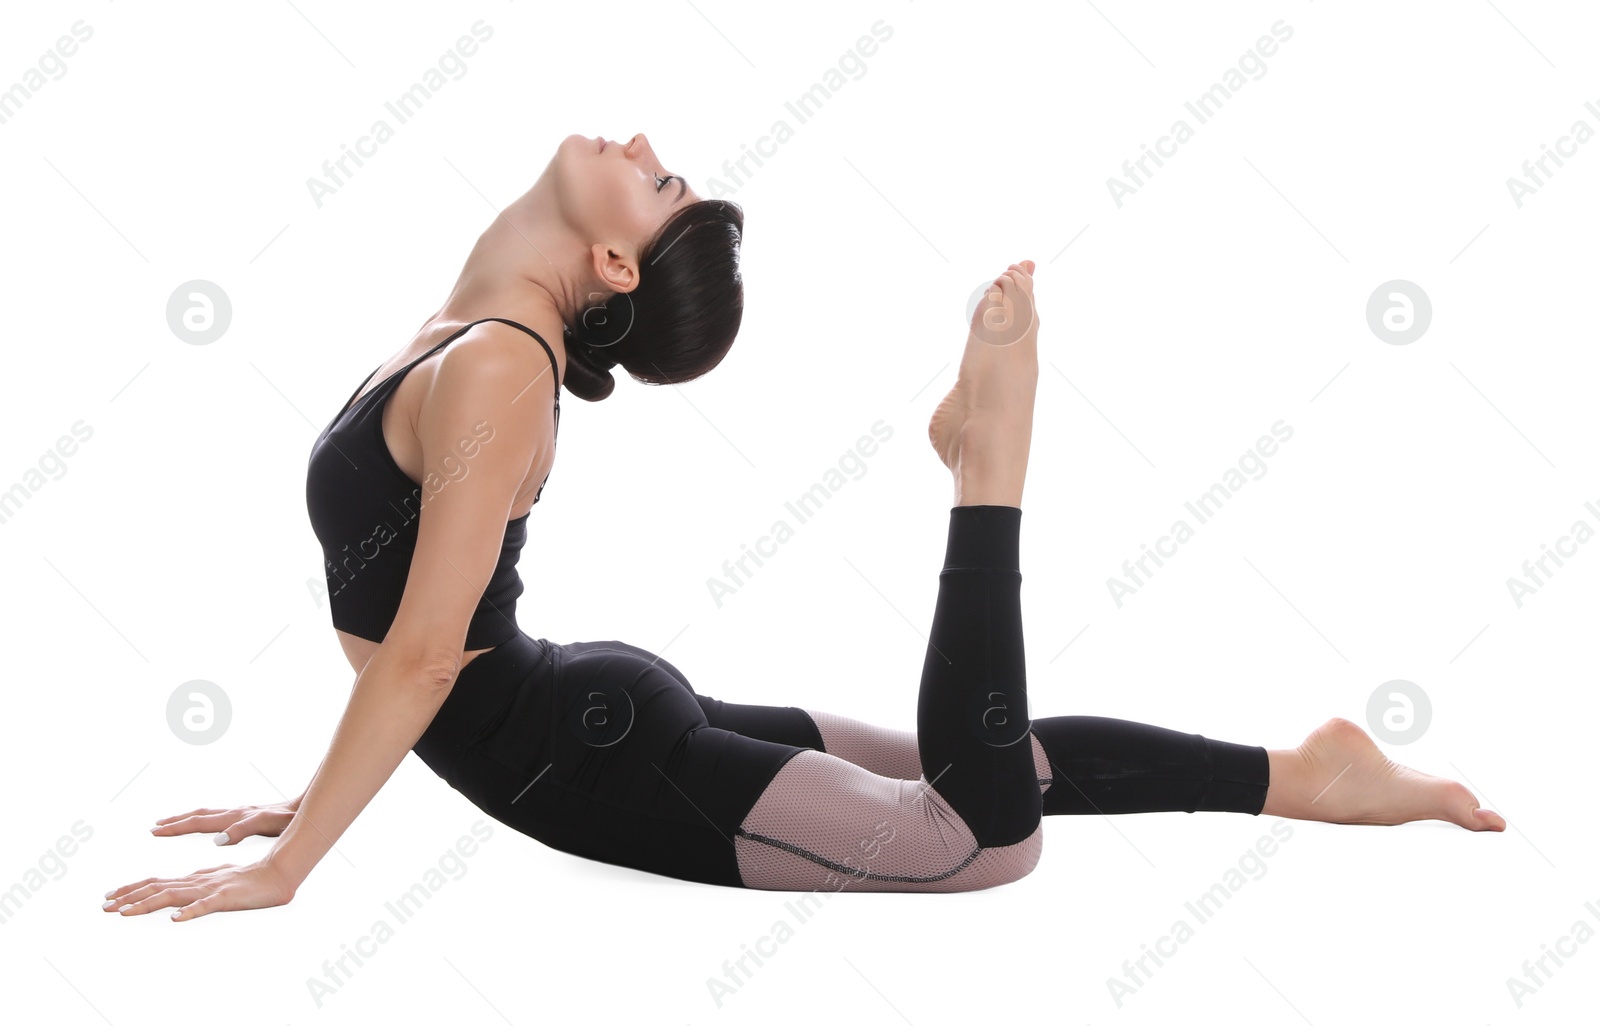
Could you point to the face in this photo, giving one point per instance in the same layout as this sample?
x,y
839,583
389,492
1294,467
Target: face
x,y
617,193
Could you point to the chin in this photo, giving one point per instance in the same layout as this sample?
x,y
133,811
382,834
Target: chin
x,y
576,142
574,147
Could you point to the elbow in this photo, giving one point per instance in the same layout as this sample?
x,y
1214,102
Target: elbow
x,y
431,670
437,674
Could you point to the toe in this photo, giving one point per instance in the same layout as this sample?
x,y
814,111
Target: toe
x,y
1485,819
1462,809
1488,820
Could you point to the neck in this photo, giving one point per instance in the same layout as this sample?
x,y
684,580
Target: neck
x,y
527,265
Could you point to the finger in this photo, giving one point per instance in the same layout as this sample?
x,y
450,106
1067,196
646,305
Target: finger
x,y
196,909
125,888
162,898
134,892
138,894
200,824
237,831
1029,265
150,897
196,824
191,812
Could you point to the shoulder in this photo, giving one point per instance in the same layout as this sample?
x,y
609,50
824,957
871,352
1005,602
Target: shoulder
x,y
496,359
495,378
525,345
498,364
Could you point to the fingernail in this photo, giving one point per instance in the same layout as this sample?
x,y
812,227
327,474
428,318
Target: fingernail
x,y
177,912
125,907
221,838
108,904
110,893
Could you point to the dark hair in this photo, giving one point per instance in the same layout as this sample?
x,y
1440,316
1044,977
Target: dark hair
x,y
682,318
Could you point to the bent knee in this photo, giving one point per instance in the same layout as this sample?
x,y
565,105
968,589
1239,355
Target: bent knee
x,y
1006,863
826,824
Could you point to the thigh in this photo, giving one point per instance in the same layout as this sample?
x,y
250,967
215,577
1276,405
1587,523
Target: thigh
x,y
883,750
610,756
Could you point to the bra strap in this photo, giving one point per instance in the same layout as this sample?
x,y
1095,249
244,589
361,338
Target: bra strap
x,y
555,368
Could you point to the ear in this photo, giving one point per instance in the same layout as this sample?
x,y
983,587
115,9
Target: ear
x,y
617,271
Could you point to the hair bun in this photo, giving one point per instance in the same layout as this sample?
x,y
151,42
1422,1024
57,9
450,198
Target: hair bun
x,y
680,320
603,357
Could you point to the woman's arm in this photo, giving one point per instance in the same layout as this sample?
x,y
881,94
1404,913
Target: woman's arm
x,y
478,445
395,698
467,499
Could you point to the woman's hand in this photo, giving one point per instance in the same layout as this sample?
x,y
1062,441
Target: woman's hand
x,y
230,825
218,889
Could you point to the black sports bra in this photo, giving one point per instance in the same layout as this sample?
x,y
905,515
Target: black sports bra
x,y
364,512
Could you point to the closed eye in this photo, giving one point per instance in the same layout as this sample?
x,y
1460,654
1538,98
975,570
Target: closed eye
x,y
662,180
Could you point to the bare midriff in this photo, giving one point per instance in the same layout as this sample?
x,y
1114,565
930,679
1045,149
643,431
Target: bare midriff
x,y
358,650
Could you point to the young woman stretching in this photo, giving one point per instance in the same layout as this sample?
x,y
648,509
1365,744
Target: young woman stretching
x,y
420,490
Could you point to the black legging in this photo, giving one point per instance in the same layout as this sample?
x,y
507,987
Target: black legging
x,y
604,750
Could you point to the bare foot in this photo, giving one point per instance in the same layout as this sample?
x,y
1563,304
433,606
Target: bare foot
x,y
983,428
1338,775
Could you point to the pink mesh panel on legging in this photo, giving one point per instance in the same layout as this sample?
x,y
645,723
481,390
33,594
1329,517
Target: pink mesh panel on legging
x,y
827,824
893,753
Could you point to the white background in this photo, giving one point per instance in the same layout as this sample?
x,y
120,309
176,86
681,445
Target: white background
x,y
1228,293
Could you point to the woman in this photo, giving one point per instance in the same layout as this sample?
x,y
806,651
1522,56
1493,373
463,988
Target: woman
x,y
420,491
